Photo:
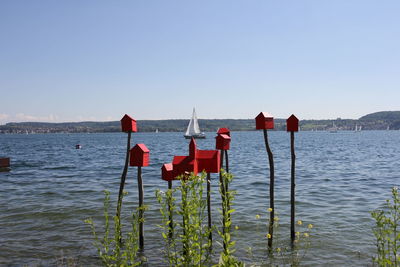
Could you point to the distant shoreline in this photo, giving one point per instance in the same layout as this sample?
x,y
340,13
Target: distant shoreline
x,y
384,120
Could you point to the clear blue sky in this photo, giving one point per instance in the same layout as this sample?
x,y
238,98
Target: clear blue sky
x,y
97,60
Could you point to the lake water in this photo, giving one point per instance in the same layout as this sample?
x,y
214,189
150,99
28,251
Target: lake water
x,y
53,187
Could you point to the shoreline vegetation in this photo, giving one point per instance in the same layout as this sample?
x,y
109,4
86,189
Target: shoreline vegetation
x,y
384,120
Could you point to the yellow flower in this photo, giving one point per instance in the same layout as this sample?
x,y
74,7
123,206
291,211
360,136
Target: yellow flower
x,y
310,226
258,216
306,235
269,209
278,250
236,227
299,222
276,218
268,236
297,234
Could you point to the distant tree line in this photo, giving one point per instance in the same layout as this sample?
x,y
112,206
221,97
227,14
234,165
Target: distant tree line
x,y
375,121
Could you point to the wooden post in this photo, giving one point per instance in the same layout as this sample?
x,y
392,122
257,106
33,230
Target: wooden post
x,y
292,190
271,189
292,125
226,161
209,205
184,217
123,177
226,184
223,195
171,224
141,208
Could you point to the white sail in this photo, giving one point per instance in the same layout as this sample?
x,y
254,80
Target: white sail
x,y
193,127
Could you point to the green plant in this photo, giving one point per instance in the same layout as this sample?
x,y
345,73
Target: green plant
x,y
114,249
186,239
386,231
227,255
293,254
168,226
283,253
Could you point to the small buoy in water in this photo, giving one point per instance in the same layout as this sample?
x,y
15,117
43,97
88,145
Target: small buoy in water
x,y
78,146
4,164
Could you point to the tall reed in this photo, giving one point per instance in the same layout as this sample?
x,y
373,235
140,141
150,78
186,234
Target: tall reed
x,y
110,249
186,240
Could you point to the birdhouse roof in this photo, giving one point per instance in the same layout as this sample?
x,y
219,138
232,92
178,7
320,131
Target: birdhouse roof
x,y
142,147
293,118
223,131
224,136
265,115
178,159
168,166
127,117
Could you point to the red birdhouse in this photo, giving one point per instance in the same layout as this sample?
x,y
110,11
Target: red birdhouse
x,y
222,141
128,124
209,160
139,155
192,149
167,172
264,121
184,164
292,124
224,131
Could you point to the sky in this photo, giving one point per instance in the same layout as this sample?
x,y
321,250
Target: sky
x,y
80,60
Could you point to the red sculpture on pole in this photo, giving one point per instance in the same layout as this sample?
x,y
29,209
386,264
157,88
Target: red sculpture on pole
x,y
197,161
292,125
223,141
265,121
140,157
127,125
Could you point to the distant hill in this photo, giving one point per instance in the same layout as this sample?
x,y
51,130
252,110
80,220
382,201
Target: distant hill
x,y
374,121
391,119
389,116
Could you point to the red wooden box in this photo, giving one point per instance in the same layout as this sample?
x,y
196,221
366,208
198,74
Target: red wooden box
x,y
264,121
192,149
184,165
4,162
222,141
139,155
167,172
128,124
209,160
292,124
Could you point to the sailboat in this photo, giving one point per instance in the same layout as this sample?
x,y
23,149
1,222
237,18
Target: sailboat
x,y
333,129
193,129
